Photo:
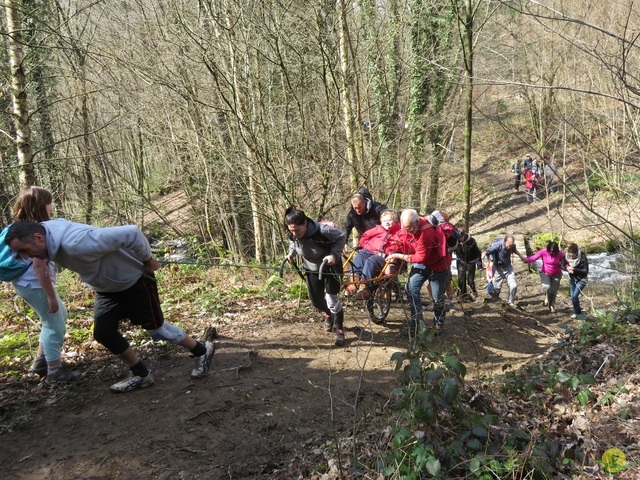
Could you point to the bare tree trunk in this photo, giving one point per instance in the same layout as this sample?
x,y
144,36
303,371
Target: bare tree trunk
x,y
347,107
19,95
468,117
87,155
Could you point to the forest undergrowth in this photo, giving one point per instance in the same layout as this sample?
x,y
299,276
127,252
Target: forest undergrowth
x,y
554,417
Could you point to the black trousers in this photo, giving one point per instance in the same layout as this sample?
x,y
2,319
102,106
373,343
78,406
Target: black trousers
x,y
466,276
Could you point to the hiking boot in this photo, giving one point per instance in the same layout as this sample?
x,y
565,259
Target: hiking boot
x,y
552,309
132,382
201,363
38,367
328,323
339,338
61,376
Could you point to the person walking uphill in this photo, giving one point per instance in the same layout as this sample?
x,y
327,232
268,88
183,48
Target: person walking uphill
x,y
577,264
467,257
117,263
364,214
316,243
550,272
429,263
37,287
500,252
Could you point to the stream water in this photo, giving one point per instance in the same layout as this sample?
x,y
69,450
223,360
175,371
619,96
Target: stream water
x,y
604,268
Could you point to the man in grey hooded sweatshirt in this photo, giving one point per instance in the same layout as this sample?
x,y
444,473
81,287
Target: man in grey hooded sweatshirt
x,y
117,263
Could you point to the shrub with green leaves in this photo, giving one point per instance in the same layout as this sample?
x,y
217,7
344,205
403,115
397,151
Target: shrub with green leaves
x,y
440,434
541,240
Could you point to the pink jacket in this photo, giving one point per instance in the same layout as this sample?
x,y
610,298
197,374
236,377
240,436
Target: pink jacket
x,y
550,263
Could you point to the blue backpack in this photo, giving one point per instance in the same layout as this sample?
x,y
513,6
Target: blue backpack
x,y
10,267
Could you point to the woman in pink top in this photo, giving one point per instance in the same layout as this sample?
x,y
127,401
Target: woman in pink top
x,y
550,272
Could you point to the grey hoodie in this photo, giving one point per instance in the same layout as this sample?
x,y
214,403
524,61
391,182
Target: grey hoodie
x,y
313,250
107,259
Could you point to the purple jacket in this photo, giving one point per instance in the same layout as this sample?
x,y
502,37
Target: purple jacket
x,y
550,263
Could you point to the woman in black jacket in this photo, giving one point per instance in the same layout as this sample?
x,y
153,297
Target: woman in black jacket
x,y
467,257
575,262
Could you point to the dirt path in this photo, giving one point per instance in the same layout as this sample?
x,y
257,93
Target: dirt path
x,y
278,392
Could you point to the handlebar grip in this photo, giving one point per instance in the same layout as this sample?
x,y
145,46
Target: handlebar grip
x,y
322,265
281,269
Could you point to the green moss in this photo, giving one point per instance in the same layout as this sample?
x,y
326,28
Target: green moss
x,y
541,240
14,344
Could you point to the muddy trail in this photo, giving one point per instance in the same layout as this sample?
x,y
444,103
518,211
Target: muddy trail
x,y
277,396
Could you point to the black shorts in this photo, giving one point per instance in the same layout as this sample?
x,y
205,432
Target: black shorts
x,y
139,303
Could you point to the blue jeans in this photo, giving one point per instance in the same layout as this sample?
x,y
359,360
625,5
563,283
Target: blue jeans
x,y
367,264
575,289
417,277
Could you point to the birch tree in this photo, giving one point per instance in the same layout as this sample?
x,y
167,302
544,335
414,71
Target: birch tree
x,y
18,90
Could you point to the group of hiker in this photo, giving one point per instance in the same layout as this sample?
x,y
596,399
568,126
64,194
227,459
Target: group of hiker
x,y
427,245
385,237
554,262
117,263
536,176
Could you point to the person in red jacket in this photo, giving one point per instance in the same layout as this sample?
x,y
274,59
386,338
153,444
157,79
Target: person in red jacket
x,y
531,178
429,262
376,243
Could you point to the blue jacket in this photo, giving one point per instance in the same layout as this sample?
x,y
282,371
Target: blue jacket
x,y
501,255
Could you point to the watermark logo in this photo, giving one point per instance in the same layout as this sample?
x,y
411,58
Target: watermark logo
x,y
614,460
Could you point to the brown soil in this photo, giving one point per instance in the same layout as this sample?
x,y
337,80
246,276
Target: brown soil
x,y
277,396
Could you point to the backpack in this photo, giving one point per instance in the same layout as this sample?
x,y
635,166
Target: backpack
x,y
451,234
495,242
319,237
10,268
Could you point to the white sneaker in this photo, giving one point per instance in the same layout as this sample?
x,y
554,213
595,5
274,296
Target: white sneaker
x,y
202,363
132,382
574,316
